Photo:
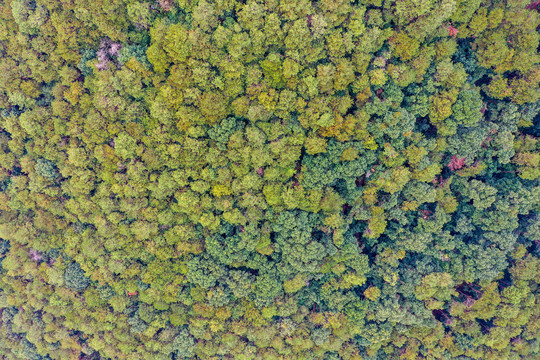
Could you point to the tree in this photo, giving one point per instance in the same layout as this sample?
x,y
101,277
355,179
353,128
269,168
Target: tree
x,y
46,169
75,277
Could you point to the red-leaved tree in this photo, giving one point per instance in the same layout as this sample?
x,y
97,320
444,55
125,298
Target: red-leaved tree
x,y
456,163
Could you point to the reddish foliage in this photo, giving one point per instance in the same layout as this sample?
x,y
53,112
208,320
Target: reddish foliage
x,y
166,4
483,109
456,163
517,339
439,181
131,293
469,301
35,255
360,181
425,214
309,18
535,5
452,31
114,49
443,316
358,237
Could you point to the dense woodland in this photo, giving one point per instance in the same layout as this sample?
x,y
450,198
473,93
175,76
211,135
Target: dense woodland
x,y
269,179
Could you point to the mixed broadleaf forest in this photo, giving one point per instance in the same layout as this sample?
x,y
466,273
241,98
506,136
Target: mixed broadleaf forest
x,y
269,179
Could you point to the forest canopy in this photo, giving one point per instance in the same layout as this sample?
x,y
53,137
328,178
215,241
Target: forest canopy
x,y
269,179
